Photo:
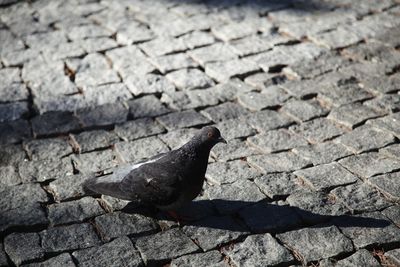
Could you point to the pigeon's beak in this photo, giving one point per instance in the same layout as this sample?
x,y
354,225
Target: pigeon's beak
x,y
222,140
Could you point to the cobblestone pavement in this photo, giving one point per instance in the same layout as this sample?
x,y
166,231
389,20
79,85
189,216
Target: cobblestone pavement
x,y
306,92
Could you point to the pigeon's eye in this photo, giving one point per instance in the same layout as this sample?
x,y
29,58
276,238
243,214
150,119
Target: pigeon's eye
x,y
210,135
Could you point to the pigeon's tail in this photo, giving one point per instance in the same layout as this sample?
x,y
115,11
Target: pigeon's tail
x,y
105,185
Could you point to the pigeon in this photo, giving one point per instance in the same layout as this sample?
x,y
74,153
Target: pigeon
x,y
167,181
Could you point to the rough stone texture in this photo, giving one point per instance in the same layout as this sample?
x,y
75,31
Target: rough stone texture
x,y
323,152
224,112
266,120
277,140
317,243
47,148
304,111
280,162
62,260
317,130
223,71
182,120
189,79
259,250
76,236
39,171
147,106
68,186
21,195
360,258
74,211
118,252
235,149
393,256
326,176
353,114
370,164
132,130
278,185
119,224
139,149
92,140
213,258
214,231
165,245
54,123
231,197
9,176
31,214
360,197
228,172
95,161
387,183
368,229
22,247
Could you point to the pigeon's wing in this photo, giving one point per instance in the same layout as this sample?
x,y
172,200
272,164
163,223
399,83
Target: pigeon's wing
x,y
110,184
155,183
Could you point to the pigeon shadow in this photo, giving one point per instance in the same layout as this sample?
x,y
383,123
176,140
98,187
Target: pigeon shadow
x,y
256,217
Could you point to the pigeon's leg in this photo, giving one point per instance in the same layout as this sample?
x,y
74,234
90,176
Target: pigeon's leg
x,y
178,218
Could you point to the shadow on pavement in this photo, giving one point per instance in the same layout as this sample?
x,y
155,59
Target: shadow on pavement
x,y
259,217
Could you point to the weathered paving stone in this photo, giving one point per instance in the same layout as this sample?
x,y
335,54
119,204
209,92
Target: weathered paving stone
x,y
233,31
315,207
95,75
68,186
13,92
215,52
223,71
213,258
317,130
139,149
269,97
189,79
9,176
196,98
235,149
177,138
382,84
301,89
173,62
54,123
148,84
270,217
197,38
76,236
360,197
43,170
353,114
21,195
117,224
365,138
164,245
224,111
368,229
280,162
91,140
147,106
256,44
26,215
388,184
182,119
393,213
95,161
92,45
107,93
338,38
342,90
393,256
62,260
278,185
322,153
276,140
118,252
86,31
229,198
162,46
132,130
14,131
229,172
13,111
11,155
230,90
263,80
102,115
389,123
304,110
266,120
361,257
327,241
47,148
22,247
259,250
214,231
74,211
370,164
326,176
235,128
385,103
112,203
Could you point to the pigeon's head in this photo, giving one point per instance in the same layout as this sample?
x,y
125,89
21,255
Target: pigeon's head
x,y
211,135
